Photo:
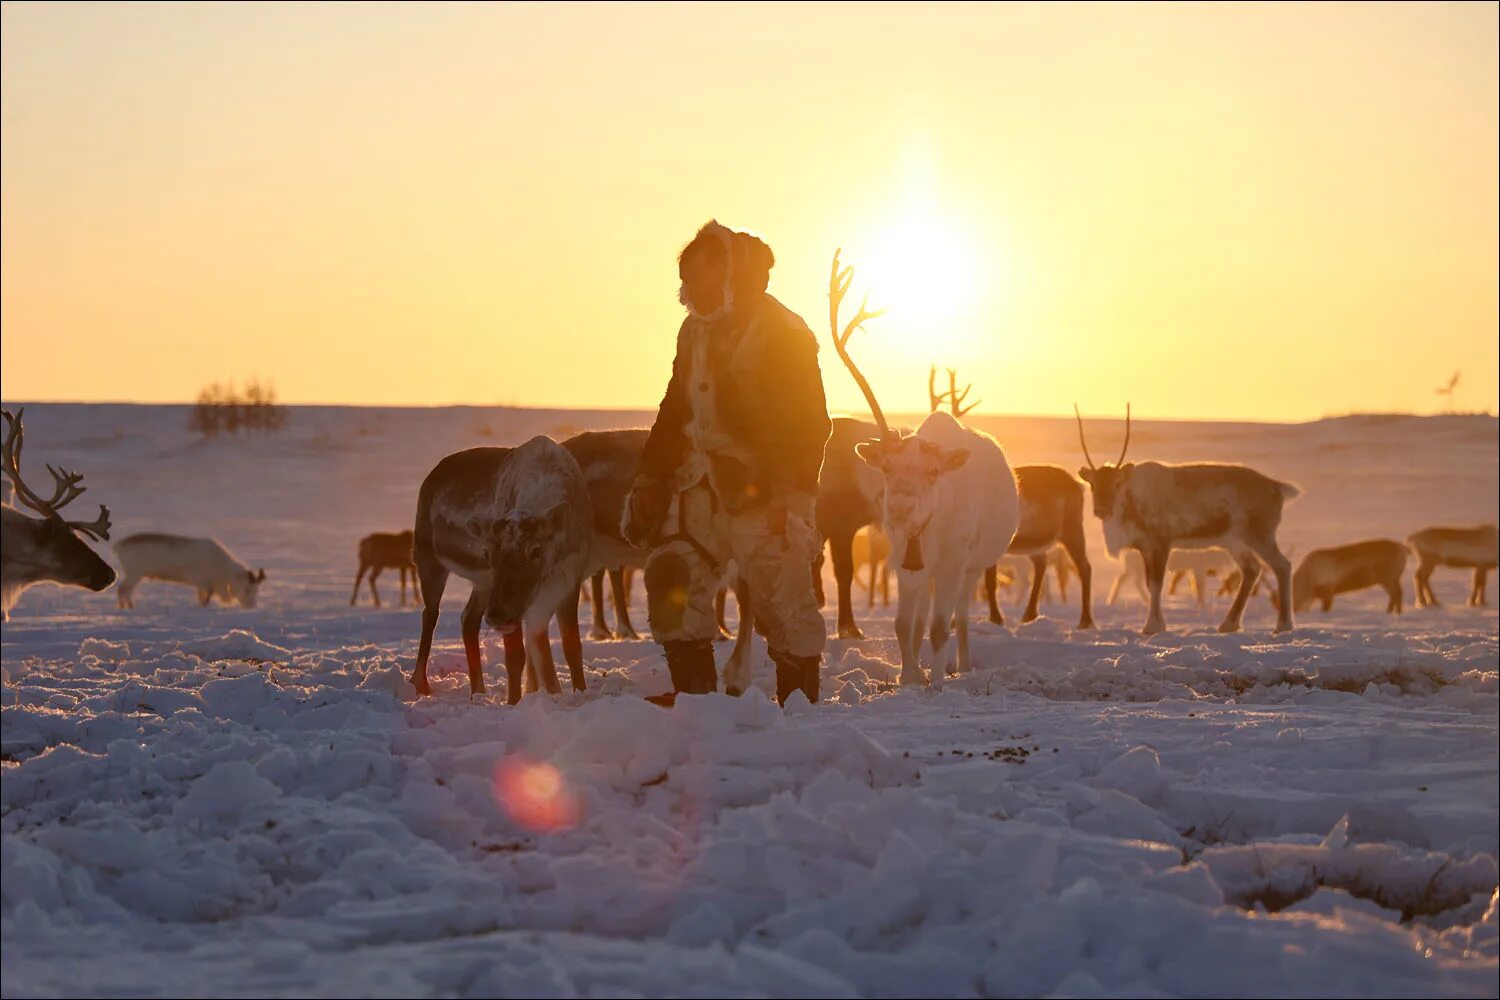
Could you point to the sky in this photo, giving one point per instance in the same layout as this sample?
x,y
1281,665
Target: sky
x,y
1214,212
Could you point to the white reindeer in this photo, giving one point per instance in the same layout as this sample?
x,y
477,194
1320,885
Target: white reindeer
x,y
515,523
1154,507
949,507
45,549
202,563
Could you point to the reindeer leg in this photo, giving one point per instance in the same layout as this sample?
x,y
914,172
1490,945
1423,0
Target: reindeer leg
x,y
357,577
1425,596
991,585
468,625
1476,593
737,671
572,644
720,601
911,591
434,577
1155,562
945,604
403,585
539,652
1281,567
1393,591
619,582
1038,578
600,629
515,665
1077,551
841,545
1249,574
374,594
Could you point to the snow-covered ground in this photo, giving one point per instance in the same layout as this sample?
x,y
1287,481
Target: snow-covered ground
x,y
230,802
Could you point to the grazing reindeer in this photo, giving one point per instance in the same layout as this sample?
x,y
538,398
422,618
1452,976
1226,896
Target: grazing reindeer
x,y
202,563
948,506
1473,547
1051,515
386,551
1153,507
609,460
848,500
45,549
1324,573
515,523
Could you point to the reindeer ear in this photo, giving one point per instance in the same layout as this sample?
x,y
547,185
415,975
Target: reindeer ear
x,y
954,459
871,453
1087,475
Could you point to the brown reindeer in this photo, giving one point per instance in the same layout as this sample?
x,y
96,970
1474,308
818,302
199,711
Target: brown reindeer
x,y
48,549
1467,548
1154,507
386,551
1051,514
1326,573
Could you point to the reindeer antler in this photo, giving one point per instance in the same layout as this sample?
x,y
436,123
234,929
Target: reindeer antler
x,y
65,484
1082,440
956,398
1126,446
1123,448
934,398
838,286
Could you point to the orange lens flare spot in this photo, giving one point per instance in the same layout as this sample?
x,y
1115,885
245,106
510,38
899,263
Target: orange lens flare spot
x,y
536,795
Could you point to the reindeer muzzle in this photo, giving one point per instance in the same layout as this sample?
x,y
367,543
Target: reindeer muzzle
x,y
912,560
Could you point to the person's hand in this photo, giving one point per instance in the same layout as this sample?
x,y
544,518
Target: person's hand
x,y
645,510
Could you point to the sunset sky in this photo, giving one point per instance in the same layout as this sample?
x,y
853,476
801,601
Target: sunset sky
x,y
1270,213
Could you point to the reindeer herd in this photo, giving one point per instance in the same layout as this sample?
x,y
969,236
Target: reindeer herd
x,y
528,527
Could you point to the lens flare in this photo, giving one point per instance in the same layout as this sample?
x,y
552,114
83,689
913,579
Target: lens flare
x,y
536,795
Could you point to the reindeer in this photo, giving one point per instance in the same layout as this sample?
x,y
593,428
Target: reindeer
x,y
609,460
381,551
1324,573
515,523
45,549
936,487
202,563
1152,507
1472,547
1051,515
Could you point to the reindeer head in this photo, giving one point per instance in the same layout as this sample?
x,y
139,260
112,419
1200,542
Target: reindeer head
x,y
522,550
54,544
721,269
242,588
911,469
1107,481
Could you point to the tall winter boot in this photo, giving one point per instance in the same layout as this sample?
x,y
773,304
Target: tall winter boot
x,y
691,663
795,673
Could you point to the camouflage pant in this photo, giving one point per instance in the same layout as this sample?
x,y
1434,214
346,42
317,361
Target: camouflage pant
x,y
685,571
